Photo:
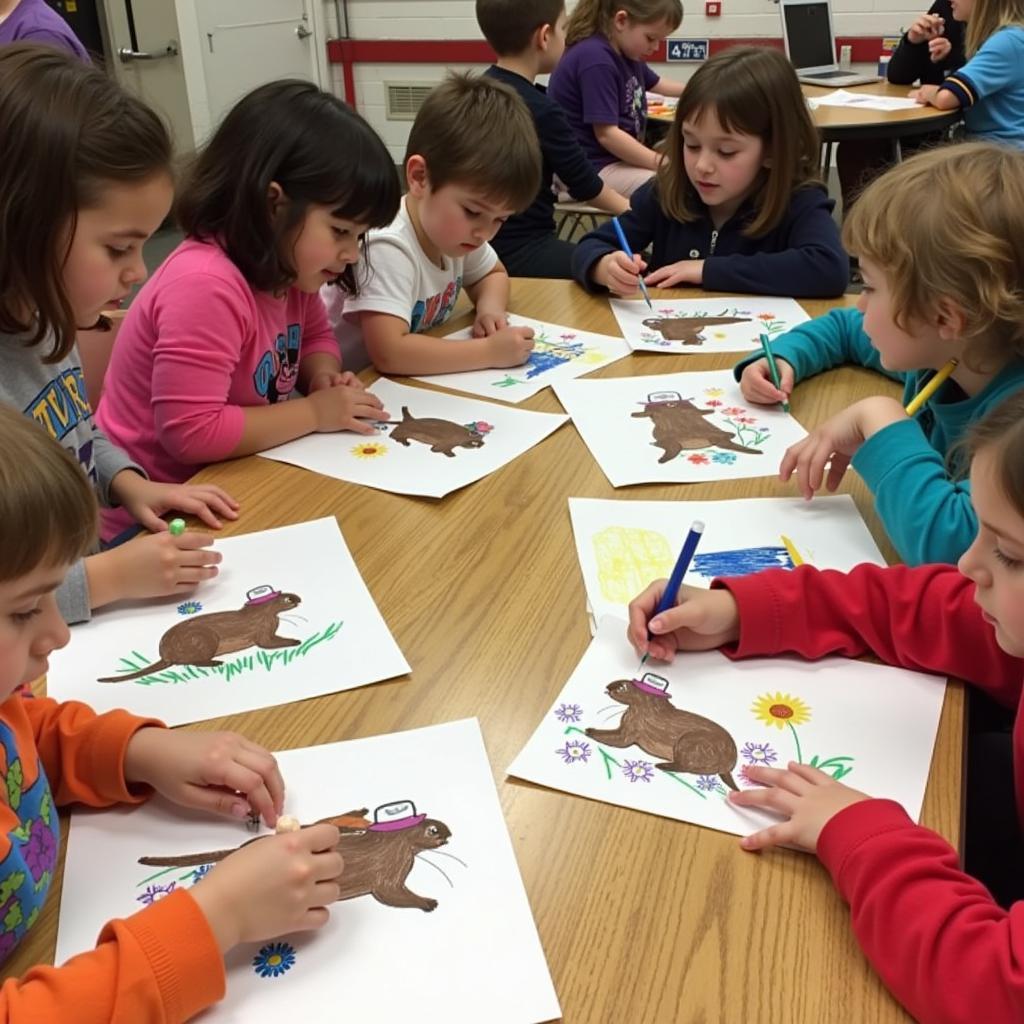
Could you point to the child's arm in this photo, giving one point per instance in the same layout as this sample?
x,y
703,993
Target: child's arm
x,y
992,69
667,87
600,87
489,294
624,147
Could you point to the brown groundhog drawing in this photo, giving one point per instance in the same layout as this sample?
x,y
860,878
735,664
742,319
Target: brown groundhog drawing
x,y
201,640
689,743
689,329
441,435
680,426
378,856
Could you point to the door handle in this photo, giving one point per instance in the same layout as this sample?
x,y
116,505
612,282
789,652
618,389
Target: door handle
x,y
127,54
302,32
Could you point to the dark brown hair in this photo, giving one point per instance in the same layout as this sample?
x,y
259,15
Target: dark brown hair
x,y
508,25
68,130
590,17
476,132
752,90
47,505
317,148
1002,430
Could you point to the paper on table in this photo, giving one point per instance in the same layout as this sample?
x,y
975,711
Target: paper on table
x,y
865,101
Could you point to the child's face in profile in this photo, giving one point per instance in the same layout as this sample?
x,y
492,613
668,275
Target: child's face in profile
x,y
723,166
323,247
552,54
457,219
637,40
30,626
995,561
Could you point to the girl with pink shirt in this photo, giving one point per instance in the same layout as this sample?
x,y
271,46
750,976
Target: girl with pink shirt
x,y
227,350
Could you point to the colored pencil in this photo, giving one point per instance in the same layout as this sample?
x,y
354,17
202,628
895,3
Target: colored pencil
x,y
773,368
624,242
675,581
930,388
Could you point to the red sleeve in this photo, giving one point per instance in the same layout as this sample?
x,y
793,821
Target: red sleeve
x,y
82,752
161,965
920,618
935,936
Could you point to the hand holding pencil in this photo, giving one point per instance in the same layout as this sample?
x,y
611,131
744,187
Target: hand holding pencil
x,y
701,620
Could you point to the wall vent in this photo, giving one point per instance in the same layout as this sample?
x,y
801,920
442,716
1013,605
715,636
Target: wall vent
x,y
405,99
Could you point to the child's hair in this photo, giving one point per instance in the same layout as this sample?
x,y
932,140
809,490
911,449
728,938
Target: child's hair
x,y
508,25
950,222
315,147
1002,430
68,131
476,132
987,17
47,505
593,17
752,90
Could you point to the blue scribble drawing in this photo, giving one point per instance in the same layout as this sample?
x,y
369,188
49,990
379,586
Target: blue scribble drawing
x,y
742,562
546,355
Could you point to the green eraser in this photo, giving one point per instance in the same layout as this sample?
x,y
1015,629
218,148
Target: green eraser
x,y
177,527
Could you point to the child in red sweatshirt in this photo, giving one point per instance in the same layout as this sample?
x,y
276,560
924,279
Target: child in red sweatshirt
x,y
937,937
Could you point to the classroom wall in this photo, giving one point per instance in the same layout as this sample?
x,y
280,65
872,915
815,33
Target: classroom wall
x,y
437,20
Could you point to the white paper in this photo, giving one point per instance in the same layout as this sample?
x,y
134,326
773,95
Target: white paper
x,y
625,545
475,439
475,957
871,725
687,326
559,353
677,428
864,101
336,637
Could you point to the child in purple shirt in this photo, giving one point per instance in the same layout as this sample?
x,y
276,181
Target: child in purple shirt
x,y
602,82
34,21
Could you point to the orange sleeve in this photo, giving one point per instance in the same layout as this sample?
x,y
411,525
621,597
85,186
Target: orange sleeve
x,y
83,753
161,965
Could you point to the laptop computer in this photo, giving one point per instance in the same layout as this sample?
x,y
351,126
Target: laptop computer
x,y
811,44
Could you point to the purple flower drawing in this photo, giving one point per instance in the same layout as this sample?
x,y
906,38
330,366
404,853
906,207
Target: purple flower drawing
x,y
568,712
758,753
574,750
156,892
638,771
708,783
40,851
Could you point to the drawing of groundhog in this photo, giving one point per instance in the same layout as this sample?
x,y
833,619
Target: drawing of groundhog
x,y
441,435
680,426
201,640
688,743
690,329
378,856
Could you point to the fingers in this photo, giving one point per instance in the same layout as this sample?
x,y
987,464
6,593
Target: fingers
x,y
807,458
836,470
265,765
319,837
641,609
199,508
756,384
665,277
776,835
243,779
150,520
214,800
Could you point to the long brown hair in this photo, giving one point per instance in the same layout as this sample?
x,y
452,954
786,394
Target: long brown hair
x,y
68,131
752,90
987,18
590,17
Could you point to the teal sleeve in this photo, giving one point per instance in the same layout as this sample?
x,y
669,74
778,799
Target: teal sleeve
x,y
928,515
818,345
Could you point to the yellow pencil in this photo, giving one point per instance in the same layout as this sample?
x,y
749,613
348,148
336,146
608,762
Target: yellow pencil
x,y
794,555
930,388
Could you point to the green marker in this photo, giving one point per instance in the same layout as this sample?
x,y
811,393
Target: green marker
x,y
773,368
177,527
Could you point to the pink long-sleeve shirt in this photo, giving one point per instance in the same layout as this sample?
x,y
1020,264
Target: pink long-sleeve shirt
x,y
198,345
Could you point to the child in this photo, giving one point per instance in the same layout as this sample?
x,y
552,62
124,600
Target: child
x,y
989,87
232,323
942,940
35,21
529,37
84,181
165,962
738,204
940,241
602,83
472,160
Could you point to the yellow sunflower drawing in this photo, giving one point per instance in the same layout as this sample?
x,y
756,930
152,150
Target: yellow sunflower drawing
x,y
780,710
369,450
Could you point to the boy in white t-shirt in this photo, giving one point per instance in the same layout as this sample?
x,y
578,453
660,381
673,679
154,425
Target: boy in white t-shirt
x,y
473,160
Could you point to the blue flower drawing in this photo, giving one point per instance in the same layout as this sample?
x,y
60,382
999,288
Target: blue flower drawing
x,y
273,960
723,458
190,607
201,872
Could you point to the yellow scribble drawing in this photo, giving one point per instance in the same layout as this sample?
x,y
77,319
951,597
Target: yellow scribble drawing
x,y
628,558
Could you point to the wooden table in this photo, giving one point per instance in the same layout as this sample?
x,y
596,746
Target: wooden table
x,y
644,920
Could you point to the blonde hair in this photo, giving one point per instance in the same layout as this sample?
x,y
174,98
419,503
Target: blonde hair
x,y
1002,429
590,17
752,90
950,222
987,18
47,506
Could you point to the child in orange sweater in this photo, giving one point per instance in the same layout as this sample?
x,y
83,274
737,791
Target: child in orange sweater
x,y
166,962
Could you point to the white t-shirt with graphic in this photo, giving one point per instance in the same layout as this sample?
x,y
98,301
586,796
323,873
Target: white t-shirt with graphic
x,y
401,280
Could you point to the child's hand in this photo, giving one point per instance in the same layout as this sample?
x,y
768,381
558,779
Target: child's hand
x,y
683,272
148,501
347,407
835,442
701,621
333,379
152,565
487,324
924,94
806,796
619,273
207,770
925,27
511,346
272,887
939,49
756,382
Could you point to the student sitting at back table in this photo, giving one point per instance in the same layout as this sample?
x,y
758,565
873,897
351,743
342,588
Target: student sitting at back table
x,y
602,83
945,940
35,21
471,162
738,204
940,239
529,37
989,87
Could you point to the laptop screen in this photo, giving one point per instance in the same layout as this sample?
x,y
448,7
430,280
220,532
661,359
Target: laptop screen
x,y
809,35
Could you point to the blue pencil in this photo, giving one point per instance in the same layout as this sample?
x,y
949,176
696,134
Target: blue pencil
x,y
675,581
629,252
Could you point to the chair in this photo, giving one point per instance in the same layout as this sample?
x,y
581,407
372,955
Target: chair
x,y
576,216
